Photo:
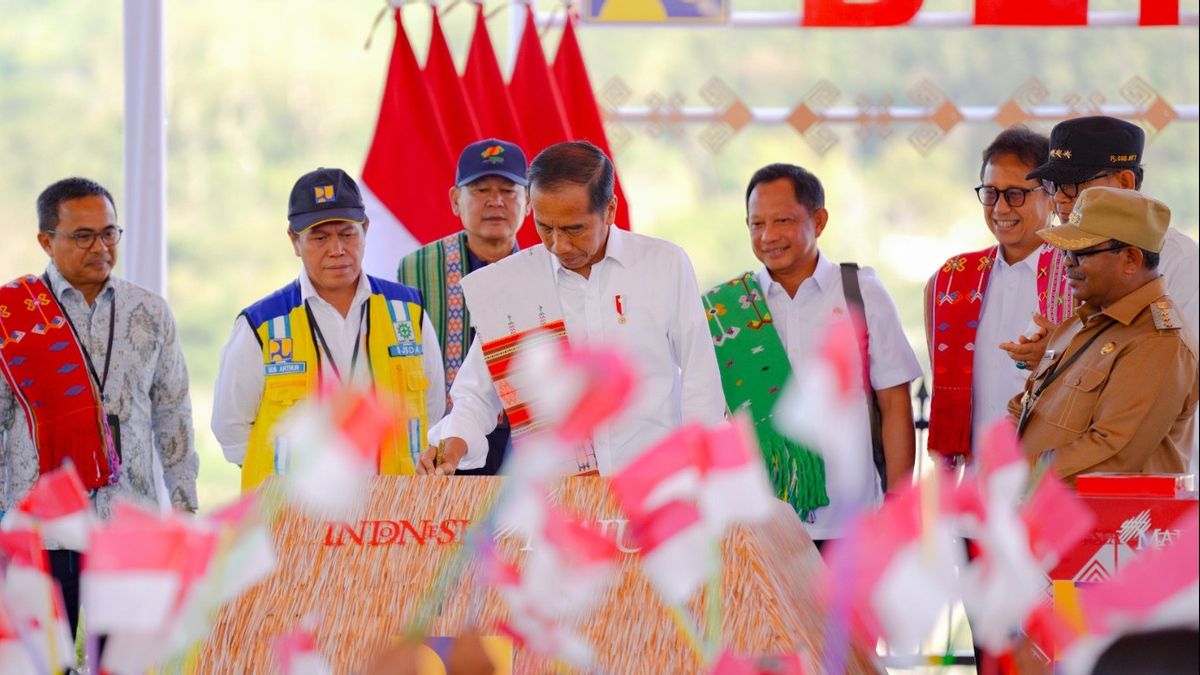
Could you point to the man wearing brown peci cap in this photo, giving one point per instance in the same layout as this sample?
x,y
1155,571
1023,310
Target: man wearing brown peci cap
x,y
1116,389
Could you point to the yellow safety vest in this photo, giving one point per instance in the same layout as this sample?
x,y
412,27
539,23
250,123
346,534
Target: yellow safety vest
x,y
292,368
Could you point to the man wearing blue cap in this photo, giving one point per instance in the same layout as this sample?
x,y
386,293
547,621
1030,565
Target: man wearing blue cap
x,y
489,196
333,324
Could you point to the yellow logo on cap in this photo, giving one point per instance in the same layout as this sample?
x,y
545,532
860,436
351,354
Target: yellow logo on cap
x,y
1074,218
1113,159
1059,153
323,193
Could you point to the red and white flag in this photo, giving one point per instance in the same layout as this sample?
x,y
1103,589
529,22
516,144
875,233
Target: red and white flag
x,y
898,566
568,569
59,506
133,575
823,410
409,166
579,103
681,493
14,658
333,446
735,486
36,613
448,92
297,652
486,88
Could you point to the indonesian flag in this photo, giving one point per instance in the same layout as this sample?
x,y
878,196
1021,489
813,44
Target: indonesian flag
x,y
447,91
133,575
579,102
297,652
897,566
822,409
58,504
680,494
572,389
35,612
486,88
223,555
409,167
1158,589
1018,543
334,443
735,486
13,657
567,571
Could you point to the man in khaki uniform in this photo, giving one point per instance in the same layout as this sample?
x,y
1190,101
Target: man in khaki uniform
x,y
1117,387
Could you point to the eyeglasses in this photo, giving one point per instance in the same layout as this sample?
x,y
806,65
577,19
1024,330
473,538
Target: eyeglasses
x,y
1071,190
86,239
1015,196
1073,257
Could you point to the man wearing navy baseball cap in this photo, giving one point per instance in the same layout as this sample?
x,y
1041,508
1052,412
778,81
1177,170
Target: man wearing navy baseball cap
x,y
490,198
333,325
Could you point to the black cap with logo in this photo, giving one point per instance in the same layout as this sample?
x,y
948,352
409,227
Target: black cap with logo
x,y
322,196
1083,147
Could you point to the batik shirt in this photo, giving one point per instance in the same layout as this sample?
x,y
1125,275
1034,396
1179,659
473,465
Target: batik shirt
x,y
147,388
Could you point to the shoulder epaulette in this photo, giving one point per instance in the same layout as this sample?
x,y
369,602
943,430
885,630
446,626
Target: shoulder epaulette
x,y
1165,314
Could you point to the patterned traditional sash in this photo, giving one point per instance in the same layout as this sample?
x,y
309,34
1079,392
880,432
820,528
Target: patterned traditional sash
x,y
754,368
437,270
514,300
1056,300
45,367
954,309
957,298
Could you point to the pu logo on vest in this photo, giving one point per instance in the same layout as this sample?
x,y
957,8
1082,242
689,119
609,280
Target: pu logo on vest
x,y
280,350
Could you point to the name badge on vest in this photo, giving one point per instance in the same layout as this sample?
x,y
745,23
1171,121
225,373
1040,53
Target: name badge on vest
x,y
406,340
280,352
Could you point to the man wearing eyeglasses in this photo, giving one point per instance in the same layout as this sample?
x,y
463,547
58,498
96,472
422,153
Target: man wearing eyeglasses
x,y
1117,388
977,301
1105,151
93,373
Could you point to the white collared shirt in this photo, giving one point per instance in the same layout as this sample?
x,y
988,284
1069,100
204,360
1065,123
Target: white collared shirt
x,y
240,380
665,334
1009,303
800,321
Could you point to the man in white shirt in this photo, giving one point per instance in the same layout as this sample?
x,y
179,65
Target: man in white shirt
x,y
614,288
333,324
978,301
785,214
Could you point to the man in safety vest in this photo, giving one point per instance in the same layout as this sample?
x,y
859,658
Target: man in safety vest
x,y
333,324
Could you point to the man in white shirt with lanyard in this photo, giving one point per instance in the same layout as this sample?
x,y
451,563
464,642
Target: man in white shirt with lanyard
x,y
610,287
334,323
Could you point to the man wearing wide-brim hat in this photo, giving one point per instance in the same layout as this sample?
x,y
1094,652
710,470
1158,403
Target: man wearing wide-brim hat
x,y
1117,388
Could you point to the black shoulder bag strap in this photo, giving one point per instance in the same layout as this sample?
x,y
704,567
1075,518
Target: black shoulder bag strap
x,y
854,300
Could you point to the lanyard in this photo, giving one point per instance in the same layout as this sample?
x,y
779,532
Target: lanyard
x,y
87,356
358,338
1051,375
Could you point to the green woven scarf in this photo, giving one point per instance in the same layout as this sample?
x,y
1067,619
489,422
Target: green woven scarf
x,y
754,369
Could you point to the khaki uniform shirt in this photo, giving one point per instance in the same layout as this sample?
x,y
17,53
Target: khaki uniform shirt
x,y
1126,404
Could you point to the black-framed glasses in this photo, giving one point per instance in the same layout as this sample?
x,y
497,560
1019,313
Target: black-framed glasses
x,y
1073,257
1071,190
86,239
1015,196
